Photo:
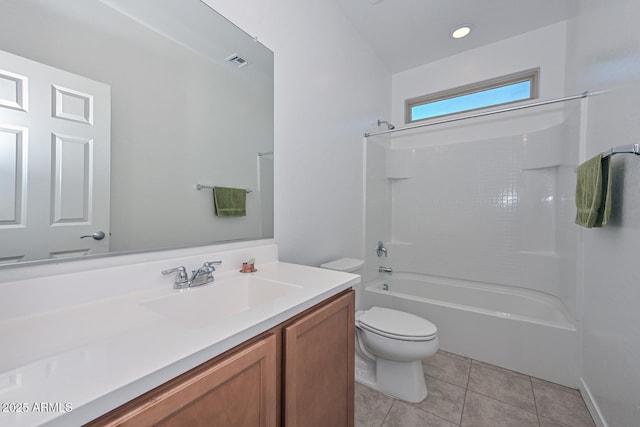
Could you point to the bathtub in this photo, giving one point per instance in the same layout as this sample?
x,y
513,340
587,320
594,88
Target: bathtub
x,y
522,330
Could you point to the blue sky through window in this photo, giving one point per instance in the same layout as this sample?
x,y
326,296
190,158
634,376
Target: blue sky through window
x,y
494,96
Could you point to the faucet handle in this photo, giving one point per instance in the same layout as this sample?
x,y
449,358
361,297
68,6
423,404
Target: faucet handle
x,y
181,275
204,274
208,269
210,264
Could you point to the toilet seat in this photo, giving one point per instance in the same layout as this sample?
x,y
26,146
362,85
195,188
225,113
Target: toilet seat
x,y
396,324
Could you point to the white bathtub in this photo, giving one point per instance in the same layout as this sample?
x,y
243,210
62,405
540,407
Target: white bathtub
x,y
522,330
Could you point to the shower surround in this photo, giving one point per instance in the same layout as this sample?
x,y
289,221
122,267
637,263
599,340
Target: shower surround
x,y
488,203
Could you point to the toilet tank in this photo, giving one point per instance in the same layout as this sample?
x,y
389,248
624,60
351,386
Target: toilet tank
x,y
349,265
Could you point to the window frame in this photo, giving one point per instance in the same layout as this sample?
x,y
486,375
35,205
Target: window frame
x,y
531,75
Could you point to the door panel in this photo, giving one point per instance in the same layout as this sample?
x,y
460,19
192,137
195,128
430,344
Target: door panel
x,y
55,136
13,171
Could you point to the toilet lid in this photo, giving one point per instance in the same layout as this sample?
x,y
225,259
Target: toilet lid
x,y
348,265
388,322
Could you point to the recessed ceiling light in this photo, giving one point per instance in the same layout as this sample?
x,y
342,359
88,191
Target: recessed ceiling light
x,y
461,31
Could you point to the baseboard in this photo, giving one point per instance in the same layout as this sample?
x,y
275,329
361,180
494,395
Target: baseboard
x,y
592,406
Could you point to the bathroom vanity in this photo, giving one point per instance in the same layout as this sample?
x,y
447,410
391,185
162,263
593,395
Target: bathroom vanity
x,y
116,343
299,373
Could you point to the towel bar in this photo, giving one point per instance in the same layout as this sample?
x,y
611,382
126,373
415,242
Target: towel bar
x,y
621,149
200,187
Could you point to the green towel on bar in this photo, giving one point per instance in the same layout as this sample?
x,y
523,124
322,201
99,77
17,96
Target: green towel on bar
x,y
593,192
229,201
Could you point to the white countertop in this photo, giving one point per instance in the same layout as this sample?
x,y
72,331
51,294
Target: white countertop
x,y
69,365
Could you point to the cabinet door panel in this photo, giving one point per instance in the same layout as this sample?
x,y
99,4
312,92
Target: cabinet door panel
x,y
319,366
239,390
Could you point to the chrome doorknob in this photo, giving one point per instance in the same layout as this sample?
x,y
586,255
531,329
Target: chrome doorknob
x,y
98,235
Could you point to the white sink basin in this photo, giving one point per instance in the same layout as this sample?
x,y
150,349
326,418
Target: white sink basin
x,y
202,306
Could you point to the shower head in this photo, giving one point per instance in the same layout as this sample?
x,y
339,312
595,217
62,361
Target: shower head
x,y
389,125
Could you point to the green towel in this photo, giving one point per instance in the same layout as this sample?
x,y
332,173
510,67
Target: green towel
x,y
229,202
593,192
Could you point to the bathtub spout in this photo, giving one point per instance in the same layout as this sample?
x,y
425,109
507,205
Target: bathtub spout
x,y
382,269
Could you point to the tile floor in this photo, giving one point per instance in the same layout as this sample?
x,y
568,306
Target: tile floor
x,y
468,393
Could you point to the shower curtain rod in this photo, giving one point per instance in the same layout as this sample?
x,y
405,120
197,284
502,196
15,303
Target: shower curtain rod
x,y
471,116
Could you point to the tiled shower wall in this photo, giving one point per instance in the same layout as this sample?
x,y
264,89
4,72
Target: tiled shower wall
x,y
494,209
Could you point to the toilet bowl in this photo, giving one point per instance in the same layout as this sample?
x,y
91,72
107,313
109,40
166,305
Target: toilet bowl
x,y
396,342
390,346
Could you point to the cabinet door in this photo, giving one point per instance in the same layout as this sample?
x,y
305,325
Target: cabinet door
x,y
239,390
318,366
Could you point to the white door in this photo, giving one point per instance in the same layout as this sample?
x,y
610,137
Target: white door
x,y
55,137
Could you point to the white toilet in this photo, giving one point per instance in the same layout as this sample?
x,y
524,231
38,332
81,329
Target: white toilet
x,y
390,345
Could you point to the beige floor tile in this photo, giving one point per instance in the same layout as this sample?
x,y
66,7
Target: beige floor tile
x,y
558,386
482,411
502,384
546,422
444,400
469,393
561,406
371,407
405,415
448,367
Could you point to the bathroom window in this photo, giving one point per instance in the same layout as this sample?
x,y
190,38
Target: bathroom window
x,y
490,93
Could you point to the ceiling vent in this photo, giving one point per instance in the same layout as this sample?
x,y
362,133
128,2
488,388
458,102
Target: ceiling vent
x,y
237,60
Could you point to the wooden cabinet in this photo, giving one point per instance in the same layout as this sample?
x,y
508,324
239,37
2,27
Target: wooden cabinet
x,y
298,374
238,390
318,366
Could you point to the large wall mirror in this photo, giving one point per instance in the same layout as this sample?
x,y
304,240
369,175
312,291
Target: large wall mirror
x,y
111,114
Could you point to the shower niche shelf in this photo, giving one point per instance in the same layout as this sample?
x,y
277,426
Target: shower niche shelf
x,y
398,243
541,254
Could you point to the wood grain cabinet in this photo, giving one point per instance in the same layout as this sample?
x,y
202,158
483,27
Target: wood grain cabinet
x,y
238,390
298,374
318,366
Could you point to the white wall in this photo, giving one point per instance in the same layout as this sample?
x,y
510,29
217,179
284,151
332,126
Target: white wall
x,y
542,48
330,88
604,57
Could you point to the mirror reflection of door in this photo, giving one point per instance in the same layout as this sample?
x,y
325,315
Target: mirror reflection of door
x,y
54,162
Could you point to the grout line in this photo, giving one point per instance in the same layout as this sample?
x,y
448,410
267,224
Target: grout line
x,y
466,390
431,413
469,374
535,403
464,404
448,382
506,403
387,414
498,368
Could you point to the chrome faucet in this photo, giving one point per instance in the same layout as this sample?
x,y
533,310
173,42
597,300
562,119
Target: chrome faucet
x,y
199,277
382,269
380,249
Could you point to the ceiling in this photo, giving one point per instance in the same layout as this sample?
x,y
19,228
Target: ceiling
x,y
408,33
